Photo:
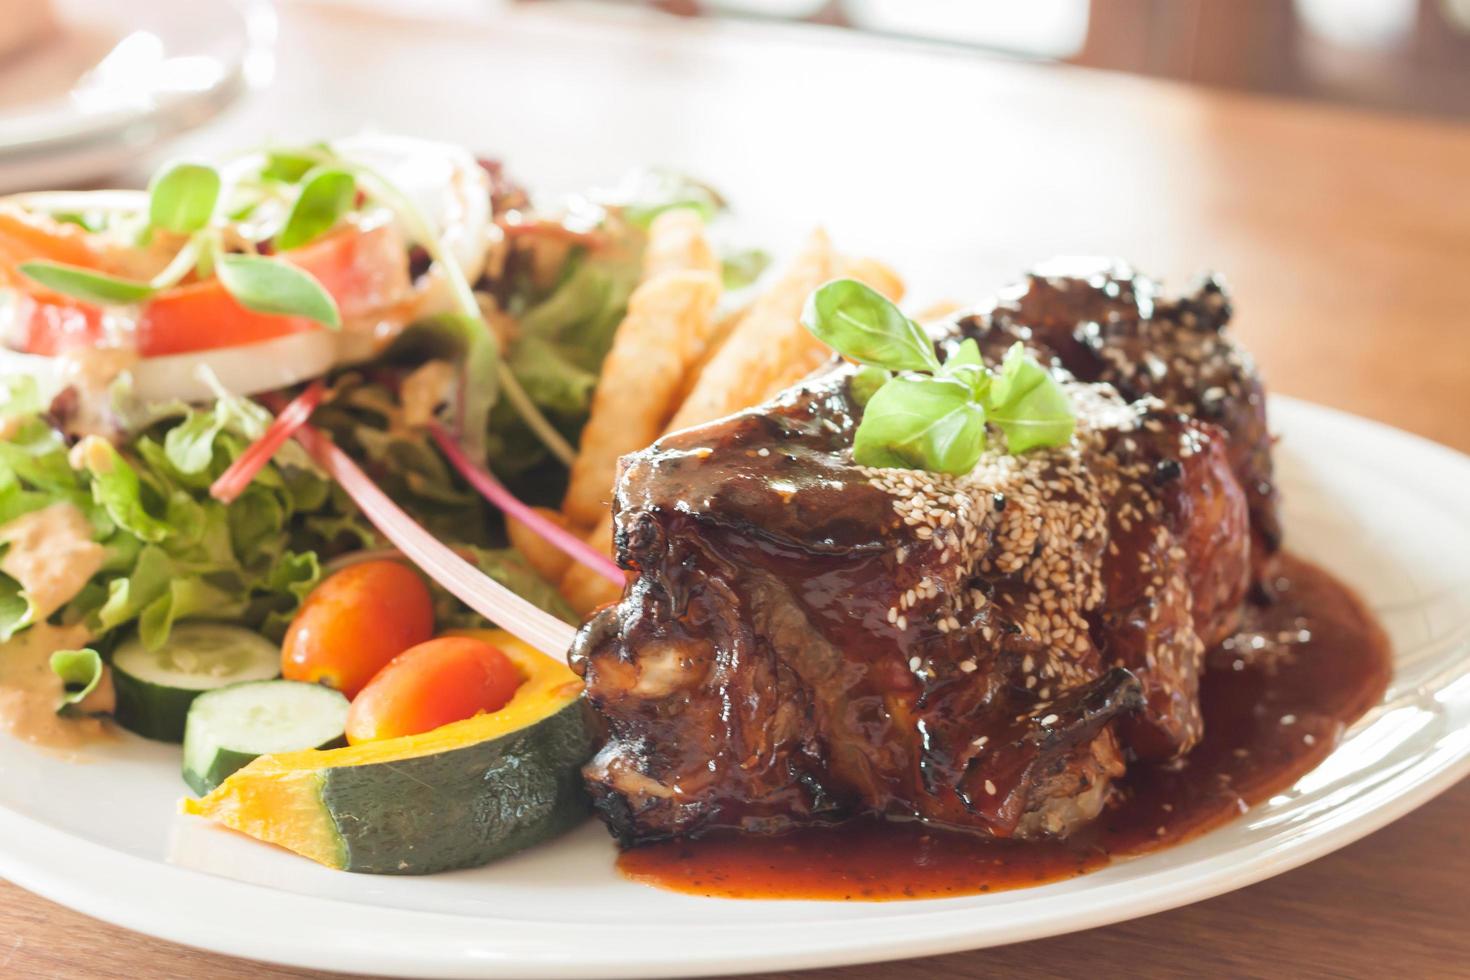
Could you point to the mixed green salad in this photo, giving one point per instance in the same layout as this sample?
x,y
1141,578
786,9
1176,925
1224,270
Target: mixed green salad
x,y
182,368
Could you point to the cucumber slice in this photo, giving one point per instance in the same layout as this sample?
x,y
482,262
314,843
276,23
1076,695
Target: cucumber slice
x,y
156,687
229,727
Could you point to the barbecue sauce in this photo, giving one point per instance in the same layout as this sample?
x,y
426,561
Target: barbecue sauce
x,y
1277,697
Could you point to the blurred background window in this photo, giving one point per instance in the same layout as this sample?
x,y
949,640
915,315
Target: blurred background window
x,y
1400,55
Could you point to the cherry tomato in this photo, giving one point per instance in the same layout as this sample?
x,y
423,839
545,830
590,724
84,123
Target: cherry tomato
x,y
362,269
354,623
433,685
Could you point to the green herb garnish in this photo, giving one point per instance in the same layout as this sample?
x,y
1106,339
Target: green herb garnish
x,y
86,285
271,286
932,416
327,193
181,198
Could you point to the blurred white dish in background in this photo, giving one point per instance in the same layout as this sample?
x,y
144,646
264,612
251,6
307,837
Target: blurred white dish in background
x,y
113,80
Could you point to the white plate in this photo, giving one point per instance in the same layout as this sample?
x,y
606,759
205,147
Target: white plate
x,y
1384,510
117,79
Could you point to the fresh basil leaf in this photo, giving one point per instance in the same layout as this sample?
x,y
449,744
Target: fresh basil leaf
x,y
921,423
866,382
966,365
327,194
1026,403
268,285
80,671
86,285
863,325
182,198
966,355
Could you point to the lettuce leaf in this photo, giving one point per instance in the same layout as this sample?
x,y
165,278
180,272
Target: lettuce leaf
x,y
563,339
80,672
15,608
172,551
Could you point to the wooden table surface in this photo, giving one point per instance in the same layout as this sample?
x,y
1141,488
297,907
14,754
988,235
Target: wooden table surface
x,y
1345,238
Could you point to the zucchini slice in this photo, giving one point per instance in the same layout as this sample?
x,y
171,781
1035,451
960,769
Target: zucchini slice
x,y
457,797
230,727
156,687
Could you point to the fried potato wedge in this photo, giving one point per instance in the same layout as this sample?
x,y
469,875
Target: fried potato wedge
x,y
764,344
549,561
677,242
583,588
769,349
766,350
664,334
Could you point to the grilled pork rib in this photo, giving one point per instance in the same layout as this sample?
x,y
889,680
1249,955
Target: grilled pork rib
x,y
806,639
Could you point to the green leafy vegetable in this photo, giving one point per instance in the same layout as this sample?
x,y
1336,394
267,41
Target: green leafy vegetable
x,y
132,504
181,198
646,194
866,382
271,286
1028,405
933,416
921,423
171,551
20,394
327,193
290,165
743,268
80,672
15,608
862,325
86,285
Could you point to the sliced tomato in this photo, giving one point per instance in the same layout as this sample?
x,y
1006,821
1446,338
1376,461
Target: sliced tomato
x,y
25,236
363,269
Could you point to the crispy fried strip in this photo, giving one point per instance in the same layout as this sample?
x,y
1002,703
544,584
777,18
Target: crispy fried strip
x,y
765,344
549,561
767,351
587,592
665,332
669,319
677,243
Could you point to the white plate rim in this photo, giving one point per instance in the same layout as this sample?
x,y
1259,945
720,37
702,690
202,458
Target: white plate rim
x,y
349,937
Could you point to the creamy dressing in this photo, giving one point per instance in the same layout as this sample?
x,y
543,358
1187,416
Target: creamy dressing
x,y
30,692
51,554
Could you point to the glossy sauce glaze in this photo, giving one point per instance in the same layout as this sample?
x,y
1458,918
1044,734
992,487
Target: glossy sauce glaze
x,y
1277,697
